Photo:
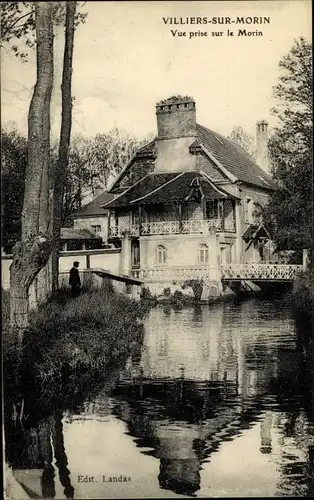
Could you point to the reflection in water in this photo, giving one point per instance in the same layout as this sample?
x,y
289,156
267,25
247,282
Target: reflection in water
x,y
218,401
32,457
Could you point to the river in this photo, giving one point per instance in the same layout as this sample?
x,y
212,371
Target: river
x,y
217,402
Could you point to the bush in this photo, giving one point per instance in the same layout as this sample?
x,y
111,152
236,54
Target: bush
x,y
5,307
197,286
302,296
70,342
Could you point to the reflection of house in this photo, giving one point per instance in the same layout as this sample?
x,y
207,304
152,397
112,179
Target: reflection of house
x,y
204,381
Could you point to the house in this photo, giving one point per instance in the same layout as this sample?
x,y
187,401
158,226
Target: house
x,y
93,217
190,198
73,239
187,202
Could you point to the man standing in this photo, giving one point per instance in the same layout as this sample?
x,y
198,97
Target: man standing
x,y
75,281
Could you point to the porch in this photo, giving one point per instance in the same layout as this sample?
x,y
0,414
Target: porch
x,y
166,204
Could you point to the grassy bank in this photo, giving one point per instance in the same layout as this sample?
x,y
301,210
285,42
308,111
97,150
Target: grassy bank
x,y
69,347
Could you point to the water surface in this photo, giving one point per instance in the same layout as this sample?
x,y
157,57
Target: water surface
x,y
218,401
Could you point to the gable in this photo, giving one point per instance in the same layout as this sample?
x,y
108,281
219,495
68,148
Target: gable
x,y
142,163
138,169
204,164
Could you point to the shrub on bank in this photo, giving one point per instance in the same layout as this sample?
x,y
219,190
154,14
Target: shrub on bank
x,y
70,343
303,295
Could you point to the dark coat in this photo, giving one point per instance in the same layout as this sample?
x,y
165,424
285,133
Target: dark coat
x,y
74,277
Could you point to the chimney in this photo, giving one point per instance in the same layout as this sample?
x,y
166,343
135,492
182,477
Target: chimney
x,y
261,145
176,117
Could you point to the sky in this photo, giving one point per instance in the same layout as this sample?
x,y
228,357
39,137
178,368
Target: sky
x,y
126,59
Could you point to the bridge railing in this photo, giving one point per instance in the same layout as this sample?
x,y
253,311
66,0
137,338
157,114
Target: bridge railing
x,y
265,271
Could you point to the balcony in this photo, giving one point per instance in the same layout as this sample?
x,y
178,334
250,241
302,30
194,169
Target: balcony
x,y
192,226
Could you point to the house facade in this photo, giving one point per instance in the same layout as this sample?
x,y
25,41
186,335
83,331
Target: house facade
x,y
93,217
189,201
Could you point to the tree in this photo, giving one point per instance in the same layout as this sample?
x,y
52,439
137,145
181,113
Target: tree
x,y
65,136
242,138
18,24
93,162
32,252
13,171
289,212
39,236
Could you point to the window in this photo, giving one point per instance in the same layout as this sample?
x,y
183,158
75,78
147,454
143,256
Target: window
x,y
210,209
160,255
213,209
203,254
96,229
134,217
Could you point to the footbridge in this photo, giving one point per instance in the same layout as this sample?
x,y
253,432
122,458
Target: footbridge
x,y
260,272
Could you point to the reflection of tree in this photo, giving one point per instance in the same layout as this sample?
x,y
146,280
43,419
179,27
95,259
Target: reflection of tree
x,y
60,455
266,439
180,475
31,449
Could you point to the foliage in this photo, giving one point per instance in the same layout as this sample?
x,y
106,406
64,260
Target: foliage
x,y
175,99
197,286
242,138
13,172
66,345
303,297
18,24
93,162
288,216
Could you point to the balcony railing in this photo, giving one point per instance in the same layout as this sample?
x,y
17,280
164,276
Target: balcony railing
x,y
162,227
179,273
192,226
117,231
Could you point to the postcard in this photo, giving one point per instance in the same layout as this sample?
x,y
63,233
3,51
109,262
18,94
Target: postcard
x,y
156,251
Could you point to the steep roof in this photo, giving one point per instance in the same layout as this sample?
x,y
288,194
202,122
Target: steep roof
x,y
230,158
95,206
234,158
175,187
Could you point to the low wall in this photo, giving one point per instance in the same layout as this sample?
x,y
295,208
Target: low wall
x,y
108,259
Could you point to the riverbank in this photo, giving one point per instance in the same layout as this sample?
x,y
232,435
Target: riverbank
x,y
69,347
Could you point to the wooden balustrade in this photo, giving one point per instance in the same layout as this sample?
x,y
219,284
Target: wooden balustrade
x,y
261,271
192,226
249,271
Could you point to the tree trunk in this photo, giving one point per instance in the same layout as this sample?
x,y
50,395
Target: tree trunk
x,y
32,254
65,134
